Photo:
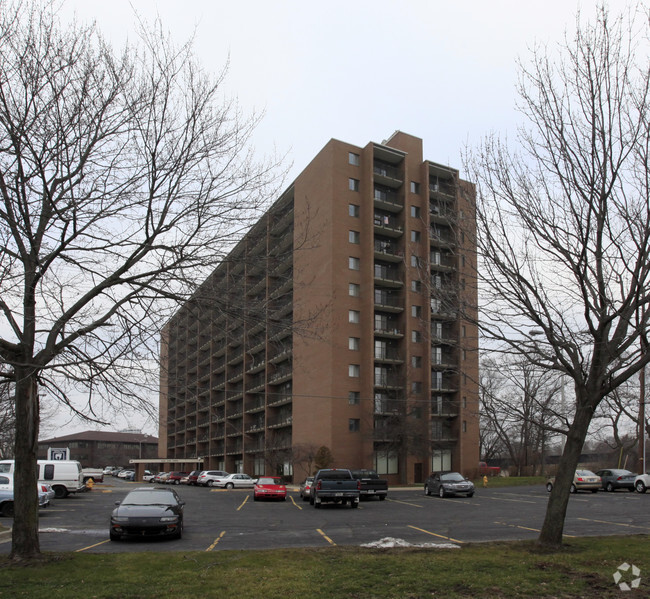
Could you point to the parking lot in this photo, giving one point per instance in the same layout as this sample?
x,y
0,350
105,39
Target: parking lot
x,y
226,520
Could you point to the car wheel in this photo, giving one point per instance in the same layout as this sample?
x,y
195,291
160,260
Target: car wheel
x,y
60,491
573,489
210,483
256,498
8,509
609,487
549,487
441,492
595,490
114,536
354,504
640,487
316,504
470,494
382,497
230,486
427,491
177,482
630,489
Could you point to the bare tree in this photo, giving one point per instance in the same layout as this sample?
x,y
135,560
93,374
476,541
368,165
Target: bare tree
x,y
564,225
124,179
522,408
7,420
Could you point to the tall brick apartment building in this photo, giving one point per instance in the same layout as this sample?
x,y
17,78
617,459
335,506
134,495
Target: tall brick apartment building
x,y
342,319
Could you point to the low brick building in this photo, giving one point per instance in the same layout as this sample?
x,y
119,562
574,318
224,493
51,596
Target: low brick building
x,y
97,449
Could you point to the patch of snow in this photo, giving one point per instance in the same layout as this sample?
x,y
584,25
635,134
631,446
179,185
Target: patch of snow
x,y
390,542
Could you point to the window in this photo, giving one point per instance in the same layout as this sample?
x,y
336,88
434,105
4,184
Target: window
x,y
354,370
462,284
464,354
386,462
464,426
416,286
415,261
353,158
416,311
416,387
354,316
441,460
354,397
354,236
436,355
415,236
416,337
464,331
354,343
464,401
353,184
416,361
354,289
354,425
354,263
415,187
353,210
415,211
462,261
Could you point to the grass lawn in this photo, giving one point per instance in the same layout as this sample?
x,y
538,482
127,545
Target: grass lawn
x,y
583,568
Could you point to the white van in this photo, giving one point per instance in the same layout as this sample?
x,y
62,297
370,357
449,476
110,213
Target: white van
x,y
65,476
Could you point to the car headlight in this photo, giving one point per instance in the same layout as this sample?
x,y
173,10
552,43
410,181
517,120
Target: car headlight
x,y
119,519
169,519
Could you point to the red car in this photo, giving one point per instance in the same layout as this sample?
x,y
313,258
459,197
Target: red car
x,y
269,487
175,478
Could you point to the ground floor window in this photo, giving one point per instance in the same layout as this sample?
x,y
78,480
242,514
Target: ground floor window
x,y
386,462
440,460
259,467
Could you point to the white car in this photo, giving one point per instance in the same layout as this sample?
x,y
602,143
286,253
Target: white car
x,y
207,478
7,484
148,476
235,481
642,482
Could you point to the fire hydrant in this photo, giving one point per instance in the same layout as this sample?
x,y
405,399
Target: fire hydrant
x,y
485,480
90,483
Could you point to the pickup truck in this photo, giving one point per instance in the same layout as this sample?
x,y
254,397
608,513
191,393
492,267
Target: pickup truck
x,y
485,470
97,474
371,484
335,485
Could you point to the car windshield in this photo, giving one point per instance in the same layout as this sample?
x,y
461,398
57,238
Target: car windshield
x,y
269,481
153,497
452,477
584,473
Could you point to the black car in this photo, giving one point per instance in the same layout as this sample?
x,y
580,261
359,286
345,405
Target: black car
x,y
148,512
617,478
448,483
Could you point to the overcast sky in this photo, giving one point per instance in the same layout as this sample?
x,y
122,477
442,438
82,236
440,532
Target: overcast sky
x,y
357,70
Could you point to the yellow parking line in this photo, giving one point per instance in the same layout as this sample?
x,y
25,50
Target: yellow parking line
x,y
433,534
91,546
614,523
531,529
243,502
501,498
223,532
294,502
325,537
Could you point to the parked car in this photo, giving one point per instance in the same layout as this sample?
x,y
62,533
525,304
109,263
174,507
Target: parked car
x,y
616,478
448,483
191,478
305,488
160,477
150,478
148,512
269,487
371,484
174,478
642,482
234,481
207,477
126,474
7,484
7,501
335,485
109,470
583,480
65,476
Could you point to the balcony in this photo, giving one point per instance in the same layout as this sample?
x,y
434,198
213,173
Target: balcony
x,y
388,330
386,174
388,200
387,225
388,251
441,238
387,277
443,408
387,302
388,354
388,381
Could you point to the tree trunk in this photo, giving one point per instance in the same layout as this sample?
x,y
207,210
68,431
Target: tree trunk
x,y
553,527
25,544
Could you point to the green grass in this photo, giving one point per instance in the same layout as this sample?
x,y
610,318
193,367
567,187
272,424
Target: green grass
x,y
583,568
510,481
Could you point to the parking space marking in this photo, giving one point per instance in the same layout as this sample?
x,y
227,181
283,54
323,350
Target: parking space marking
x,y
243,502
294,502
91,546
506,499
527,528
223,532
404,502
325,537
433,534
614,523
